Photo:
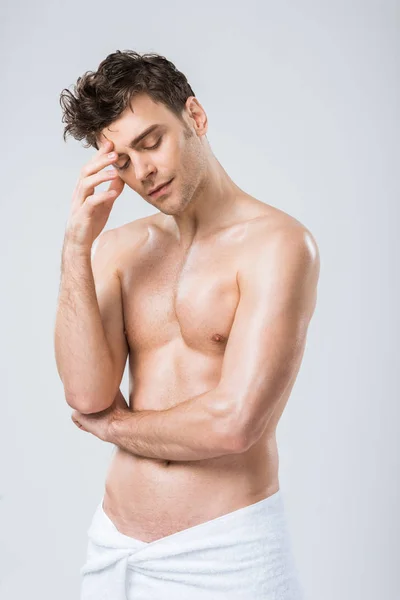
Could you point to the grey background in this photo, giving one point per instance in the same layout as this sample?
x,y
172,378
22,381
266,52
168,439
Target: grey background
x,y
302,100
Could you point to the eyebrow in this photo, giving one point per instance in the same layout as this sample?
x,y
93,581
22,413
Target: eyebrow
x,y
142,135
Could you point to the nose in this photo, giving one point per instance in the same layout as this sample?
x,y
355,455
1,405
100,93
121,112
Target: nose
x,y
143,168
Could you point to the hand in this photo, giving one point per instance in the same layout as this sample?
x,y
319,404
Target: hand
x,y
89,211
100,423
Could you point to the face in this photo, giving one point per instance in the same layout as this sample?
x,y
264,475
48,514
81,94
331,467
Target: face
x,y
173,150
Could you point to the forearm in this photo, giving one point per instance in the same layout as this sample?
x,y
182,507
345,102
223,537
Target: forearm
x,y
196,429
83,357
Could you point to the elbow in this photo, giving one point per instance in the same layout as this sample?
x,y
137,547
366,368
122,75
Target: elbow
x,y
229,435
93,397
237,442
233,439
248,434
87,404
238,436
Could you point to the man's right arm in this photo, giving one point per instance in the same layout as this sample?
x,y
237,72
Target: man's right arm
x,y
90,344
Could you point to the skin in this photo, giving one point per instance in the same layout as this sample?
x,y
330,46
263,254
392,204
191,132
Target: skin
x,y
217,290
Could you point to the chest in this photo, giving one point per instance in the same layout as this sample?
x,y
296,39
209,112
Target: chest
x,y
170,294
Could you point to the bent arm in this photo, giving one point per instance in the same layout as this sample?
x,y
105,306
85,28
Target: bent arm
x,y
89,340
196,429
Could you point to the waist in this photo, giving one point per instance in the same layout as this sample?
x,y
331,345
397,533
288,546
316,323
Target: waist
x,y
145,497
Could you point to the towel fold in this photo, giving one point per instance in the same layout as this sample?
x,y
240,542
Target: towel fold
x,y
245,555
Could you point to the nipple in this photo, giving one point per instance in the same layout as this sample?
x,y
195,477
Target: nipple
x,y
217,337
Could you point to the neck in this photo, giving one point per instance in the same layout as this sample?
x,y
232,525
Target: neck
x,y
212,205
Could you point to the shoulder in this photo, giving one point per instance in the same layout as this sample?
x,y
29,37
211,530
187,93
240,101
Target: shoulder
x,y
129,231
277,232
115,247
279,247
116,238
280,264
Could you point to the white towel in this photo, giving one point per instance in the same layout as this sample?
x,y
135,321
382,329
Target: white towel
x,y
245,555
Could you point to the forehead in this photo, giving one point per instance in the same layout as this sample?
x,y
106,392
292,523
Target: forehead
x,y
142,112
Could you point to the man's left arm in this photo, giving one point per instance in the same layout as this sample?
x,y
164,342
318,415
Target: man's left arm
x,y
266,343
195,429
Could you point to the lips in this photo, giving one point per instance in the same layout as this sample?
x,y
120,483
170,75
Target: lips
x,y
160,189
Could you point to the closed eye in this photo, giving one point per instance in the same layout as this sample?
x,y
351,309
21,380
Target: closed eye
x,y
155,145
125,166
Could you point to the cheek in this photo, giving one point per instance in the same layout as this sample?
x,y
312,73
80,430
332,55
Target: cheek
x,y
169,156
190,162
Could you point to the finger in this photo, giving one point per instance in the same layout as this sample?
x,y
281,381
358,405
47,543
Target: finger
x,y
89,183
105,147
97,163
85,187
106,199
104,144
116,185
77,423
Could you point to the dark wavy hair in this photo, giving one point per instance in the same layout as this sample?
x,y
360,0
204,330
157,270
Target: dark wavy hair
x,y
99,97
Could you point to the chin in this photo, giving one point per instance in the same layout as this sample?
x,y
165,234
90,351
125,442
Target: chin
x,y
174,208
168,210
168,207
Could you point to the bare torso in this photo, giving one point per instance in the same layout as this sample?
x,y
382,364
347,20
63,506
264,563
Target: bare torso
x,y
179,306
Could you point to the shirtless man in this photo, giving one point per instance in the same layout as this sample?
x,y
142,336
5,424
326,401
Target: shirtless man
x,y
210,298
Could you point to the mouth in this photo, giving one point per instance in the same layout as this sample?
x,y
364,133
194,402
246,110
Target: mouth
x,y
162,190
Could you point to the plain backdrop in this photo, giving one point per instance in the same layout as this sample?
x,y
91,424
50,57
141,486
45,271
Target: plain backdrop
x,y
303,104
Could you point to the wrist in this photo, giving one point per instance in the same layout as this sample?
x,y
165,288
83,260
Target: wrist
x,y
114,426
112,432
77,238
72,247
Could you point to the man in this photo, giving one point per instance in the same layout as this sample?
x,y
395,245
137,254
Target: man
x,y
211,298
